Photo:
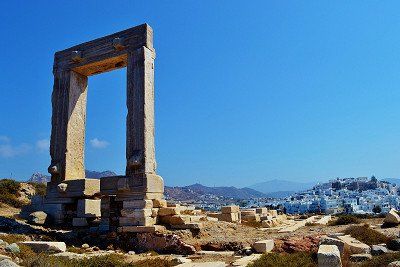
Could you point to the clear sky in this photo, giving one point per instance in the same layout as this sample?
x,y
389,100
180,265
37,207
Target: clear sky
x,y
246,91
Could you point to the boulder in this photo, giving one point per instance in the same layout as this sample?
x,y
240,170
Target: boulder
x,y
8,263
45,246
12,248
37,217
392,217
264,246
378,250
360,257
329,256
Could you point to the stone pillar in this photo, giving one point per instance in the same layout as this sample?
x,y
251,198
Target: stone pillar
x,y
141,181
140,152
68,126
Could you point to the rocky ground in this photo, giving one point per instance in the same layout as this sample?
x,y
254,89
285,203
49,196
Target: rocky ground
x,y
217,243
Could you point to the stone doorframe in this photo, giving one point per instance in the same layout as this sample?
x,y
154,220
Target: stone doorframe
x,y
131,48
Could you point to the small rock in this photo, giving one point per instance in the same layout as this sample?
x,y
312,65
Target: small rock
x,y
360,257
85,246
13,248
8,263
96,248
37,217
378,250
247,251
394,264
131,252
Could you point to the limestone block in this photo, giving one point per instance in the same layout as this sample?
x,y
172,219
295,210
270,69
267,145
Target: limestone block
x,y
131,221
392,217
45,246
264,245
173,205
329,256
159,203
333,241
138,204
248,212
356,247
136,212
79,222
230,209
89,208
228,217
168,211
175,219
261,210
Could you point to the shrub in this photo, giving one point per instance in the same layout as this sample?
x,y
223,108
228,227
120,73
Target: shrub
x,y
345,219
366,234
297,259
40,188
382,260
9,193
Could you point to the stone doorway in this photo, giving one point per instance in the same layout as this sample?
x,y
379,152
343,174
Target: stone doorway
x,y
69,191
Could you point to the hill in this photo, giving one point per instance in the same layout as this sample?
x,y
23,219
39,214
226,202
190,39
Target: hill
x,y
281,188
198,191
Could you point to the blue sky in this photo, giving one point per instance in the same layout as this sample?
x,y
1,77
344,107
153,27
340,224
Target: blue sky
x,y
245,91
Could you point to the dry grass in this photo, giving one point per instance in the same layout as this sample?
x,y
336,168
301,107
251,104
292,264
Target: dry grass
x,y
366,234
298,259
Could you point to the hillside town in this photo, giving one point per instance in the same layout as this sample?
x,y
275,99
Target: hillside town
x,y
347,195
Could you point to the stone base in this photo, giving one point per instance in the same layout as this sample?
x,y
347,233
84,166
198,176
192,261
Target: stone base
x,y
77,188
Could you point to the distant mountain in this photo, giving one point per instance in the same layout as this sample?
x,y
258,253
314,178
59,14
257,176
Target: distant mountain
x,y
97,175
39,178
279,186
198,191
42,178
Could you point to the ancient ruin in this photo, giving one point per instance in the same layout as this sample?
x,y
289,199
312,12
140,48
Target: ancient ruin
x,y
129,202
